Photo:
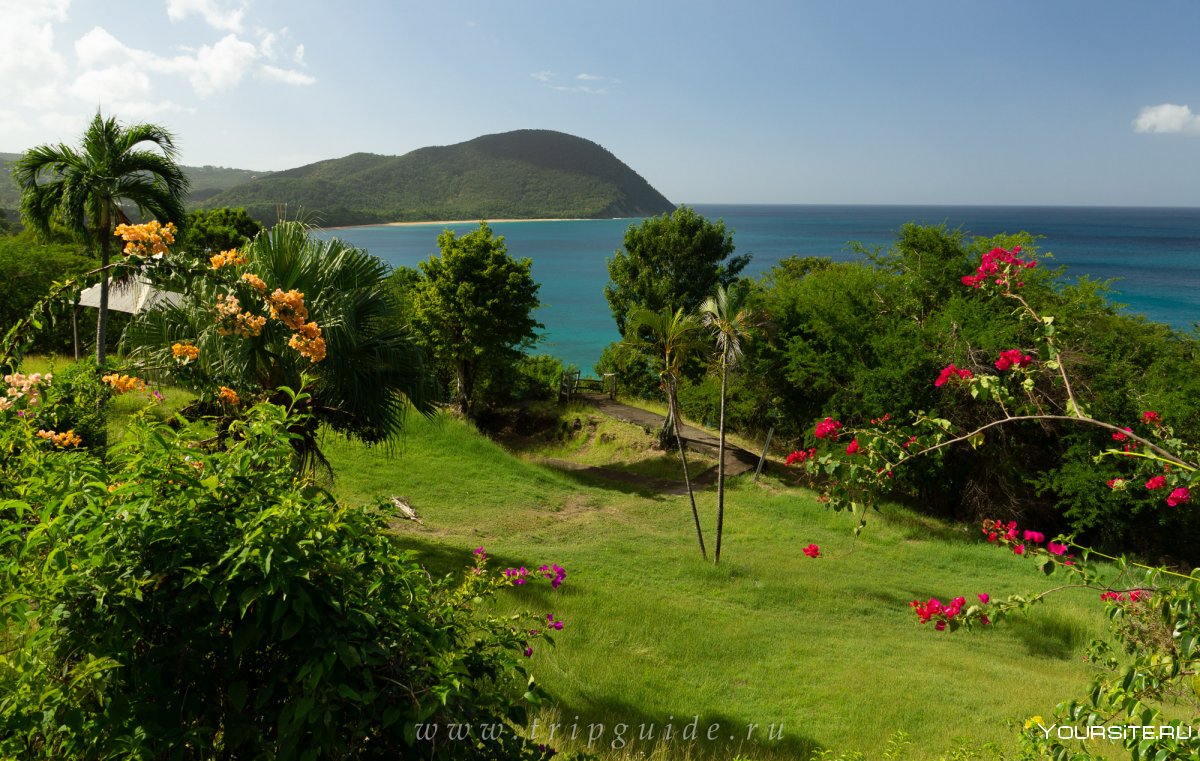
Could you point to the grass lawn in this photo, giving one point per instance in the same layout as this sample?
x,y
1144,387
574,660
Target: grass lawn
x,y
825,650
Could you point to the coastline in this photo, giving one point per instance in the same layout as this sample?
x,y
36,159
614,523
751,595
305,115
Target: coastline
x,y
443,222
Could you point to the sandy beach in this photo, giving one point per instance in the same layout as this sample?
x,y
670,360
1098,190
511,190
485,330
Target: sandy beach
x,y
443,222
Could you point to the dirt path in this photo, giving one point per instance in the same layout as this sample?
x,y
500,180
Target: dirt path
x,y
737,460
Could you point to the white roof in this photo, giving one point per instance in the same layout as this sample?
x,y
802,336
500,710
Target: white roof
x,y
133,296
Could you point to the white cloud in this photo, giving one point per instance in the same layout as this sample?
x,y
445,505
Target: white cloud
x,y
287,76
30,66
218,67
603,85
1167,118
51,84
216,16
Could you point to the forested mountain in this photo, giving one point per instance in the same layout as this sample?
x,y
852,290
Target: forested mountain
x,y
207,181
521,174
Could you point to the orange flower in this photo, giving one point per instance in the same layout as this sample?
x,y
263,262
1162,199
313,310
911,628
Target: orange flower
x,y
123,383
229,396
61,440
255,281
309,342
185,352
288,308
227,258
147,239
244,324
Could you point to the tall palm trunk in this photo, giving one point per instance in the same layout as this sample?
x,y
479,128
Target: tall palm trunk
x,y
673,412
721,459
102,316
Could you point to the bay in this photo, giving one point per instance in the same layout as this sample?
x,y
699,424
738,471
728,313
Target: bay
x,y
1155,253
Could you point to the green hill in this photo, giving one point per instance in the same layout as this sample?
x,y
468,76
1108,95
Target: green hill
x,y
522,174
207,181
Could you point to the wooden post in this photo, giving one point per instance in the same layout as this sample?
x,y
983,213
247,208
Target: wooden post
x,y
763,457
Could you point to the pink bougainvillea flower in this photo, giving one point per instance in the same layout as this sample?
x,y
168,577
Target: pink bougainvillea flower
x,y
828,428
1010,358
552,623
528,651
813,551
1054,548
1037,537
984,597
1019,549
479,553
1179,496
950,371
1116,483
852,447
1157,482
1118,436
1150,416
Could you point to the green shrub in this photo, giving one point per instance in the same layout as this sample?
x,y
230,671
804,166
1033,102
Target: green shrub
x,y
183,602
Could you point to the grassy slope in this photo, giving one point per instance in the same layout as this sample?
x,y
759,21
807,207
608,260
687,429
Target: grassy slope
x,y
826,647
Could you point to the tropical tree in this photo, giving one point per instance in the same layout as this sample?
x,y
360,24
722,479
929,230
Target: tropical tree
x,y
84,188
732,322
210,231
673,261
329,323
672,337
473,309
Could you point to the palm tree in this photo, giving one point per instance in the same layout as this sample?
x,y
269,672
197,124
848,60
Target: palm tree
x,y
84,188
371,373
732,323
671,336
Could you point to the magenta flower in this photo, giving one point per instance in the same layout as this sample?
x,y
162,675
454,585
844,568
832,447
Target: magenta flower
x,y
813,551
558,625
1056,549
852,447
984,597
528,651
1037,537
1179,496
827,429
1157,482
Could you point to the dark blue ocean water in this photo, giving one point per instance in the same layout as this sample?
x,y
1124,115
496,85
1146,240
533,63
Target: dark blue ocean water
x,y
1154,252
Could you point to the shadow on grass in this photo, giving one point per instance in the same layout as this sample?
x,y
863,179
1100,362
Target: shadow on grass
x,y
926,528
615,728
615,479
1049,635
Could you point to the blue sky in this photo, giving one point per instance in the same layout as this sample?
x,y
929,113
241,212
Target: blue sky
x,y
1013,102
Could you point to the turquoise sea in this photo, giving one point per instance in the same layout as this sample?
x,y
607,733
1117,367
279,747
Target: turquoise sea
x,y
1154,252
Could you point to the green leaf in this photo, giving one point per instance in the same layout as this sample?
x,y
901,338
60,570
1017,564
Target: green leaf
x,y
237,695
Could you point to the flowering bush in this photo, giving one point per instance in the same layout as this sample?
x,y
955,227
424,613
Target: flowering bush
x,y
177,600
1157,610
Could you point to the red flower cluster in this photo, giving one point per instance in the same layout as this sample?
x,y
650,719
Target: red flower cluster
x,y
996,266
1118,436
950,372
1150,417
1156,482
1179,496
1133,596
828,429
800,455
852,447
813,551
1021,543
1010,358
935,610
